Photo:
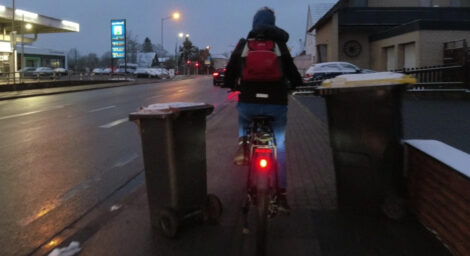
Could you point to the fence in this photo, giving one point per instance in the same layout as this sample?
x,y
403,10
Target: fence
x,y
18,77
440,77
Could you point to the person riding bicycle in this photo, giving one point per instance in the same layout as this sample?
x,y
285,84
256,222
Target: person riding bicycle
x,y
260,68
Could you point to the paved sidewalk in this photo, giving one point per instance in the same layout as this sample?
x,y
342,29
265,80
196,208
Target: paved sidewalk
x,y
313,228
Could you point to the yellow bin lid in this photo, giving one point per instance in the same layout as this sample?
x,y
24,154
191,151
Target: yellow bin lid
x,y
369,79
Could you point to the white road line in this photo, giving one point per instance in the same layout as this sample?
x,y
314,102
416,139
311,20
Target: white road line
x,y
31,112
114,123
100,109
154,97
126,160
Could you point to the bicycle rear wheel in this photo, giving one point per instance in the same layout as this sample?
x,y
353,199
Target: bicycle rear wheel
x,y
262,201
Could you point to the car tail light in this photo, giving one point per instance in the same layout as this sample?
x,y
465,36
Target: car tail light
x,y
308,75
215,74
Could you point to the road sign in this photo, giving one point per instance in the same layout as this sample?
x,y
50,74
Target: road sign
x,y
118,39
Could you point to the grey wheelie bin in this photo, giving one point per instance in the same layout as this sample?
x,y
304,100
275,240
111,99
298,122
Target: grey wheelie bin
x,y
174,152
365,127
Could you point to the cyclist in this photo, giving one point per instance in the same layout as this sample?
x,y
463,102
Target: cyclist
x,y
263,90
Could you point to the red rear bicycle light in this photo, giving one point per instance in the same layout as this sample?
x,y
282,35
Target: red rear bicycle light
x,y
263,163
263,158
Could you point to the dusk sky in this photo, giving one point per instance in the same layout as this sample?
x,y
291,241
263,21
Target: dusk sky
x,y
219,24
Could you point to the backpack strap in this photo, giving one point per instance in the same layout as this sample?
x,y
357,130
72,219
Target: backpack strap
x,y
246,48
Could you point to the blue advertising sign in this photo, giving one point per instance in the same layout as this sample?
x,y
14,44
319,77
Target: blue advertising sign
x,y
118,39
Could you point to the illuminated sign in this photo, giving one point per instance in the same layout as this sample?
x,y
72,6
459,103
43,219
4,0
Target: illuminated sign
x,y
118,39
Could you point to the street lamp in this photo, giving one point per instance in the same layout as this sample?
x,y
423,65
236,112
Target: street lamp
x,y
180,35
174,16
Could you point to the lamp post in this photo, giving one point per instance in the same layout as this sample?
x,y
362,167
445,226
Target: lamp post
x,y
207,56
13,43
174,16
180,35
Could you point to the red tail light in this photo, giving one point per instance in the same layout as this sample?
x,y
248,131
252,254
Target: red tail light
x,y
263,158
215,74
308,75
263,163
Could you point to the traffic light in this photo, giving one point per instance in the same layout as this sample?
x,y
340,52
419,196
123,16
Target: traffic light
x,y
196,65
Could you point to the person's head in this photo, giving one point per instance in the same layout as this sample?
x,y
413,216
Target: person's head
x,y
264,16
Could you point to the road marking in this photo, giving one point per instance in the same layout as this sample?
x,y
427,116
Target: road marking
x,y
114,123
31,112
126,160
100,109
154,97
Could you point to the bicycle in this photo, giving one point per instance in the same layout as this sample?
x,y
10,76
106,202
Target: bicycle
x,y
262,180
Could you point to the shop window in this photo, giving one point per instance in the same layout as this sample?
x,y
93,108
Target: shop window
x,y
54,63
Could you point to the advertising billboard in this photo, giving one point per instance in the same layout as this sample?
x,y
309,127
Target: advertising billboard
x,y
118,39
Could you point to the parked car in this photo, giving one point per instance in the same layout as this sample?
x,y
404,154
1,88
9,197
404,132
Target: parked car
x,y
27,71
218,76
60,71
321,71
164,73
97,71
106,70
44,71
146,72
128,68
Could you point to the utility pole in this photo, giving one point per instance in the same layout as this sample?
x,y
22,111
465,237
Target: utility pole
x,y
13,42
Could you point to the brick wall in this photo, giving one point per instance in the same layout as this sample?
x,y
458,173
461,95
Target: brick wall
x,y
440,197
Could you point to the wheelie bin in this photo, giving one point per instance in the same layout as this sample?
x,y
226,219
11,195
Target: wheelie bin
x,y
174,152
365,128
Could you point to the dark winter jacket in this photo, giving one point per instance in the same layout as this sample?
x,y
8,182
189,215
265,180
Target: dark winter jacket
x,y
277,91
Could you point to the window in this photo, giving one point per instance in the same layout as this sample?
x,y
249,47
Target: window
x,y
390,62
330,68
409,57
360,3
455,3
348,67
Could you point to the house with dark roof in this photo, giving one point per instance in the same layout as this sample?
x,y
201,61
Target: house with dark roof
x,y
390,34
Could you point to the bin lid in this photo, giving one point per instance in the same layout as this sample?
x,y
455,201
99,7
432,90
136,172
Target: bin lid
x,y
368,80
166,110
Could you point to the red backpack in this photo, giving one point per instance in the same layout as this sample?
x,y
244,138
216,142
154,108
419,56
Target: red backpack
x,y
261,61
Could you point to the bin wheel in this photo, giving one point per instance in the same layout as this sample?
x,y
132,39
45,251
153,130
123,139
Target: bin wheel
x,y
168,223
213,209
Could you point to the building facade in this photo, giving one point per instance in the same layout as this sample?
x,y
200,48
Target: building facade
x,y
23,27
390,34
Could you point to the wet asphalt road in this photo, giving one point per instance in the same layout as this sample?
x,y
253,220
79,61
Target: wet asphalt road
x,y
62,154
444,120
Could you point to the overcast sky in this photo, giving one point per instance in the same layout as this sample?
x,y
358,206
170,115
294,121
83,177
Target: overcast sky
x,y
219,24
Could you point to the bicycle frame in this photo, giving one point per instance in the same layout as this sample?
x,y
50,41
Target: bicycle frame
x,y
262,183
